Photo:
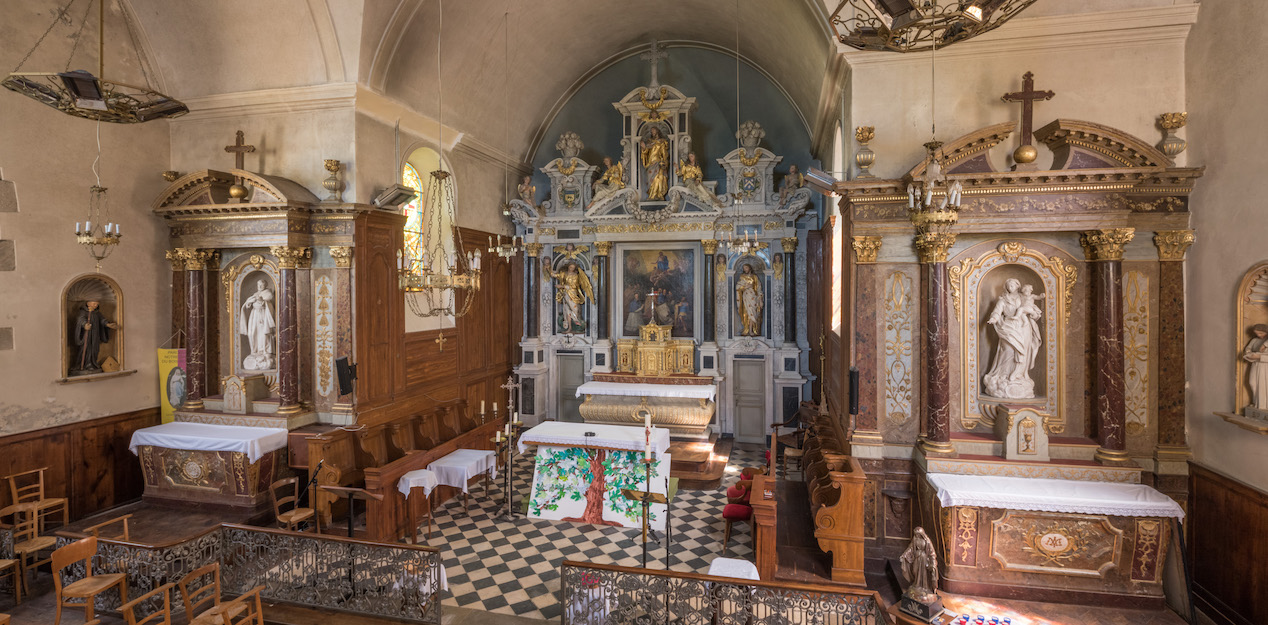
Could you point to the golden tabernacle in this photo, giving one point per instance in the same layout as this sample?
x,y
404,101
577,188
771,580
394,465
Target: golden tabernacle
x,y
654,354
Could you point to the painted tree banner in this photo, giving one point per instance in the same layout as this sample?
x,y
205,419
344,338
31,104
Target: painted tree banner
x,y
584,485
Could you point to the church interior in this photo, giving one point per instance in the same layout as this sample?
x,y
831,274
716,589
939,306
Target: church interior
x,y
866,312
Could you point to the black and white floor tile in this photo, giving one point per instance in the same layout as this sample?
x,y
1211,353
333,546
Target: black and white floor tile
x,y
512,567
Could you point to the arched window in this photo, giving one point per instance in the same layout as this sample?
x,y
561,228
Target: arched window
x,y
413,211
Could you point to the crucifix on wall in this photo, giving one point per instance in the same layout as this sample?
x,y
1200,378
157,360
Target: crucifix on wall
x,y
1024,156
239,149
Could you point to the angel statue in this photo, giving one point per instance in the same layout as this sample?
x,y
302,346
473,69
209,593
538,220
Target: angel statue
x,y
612,180
749,302
572,289
692,177
527,190
920,567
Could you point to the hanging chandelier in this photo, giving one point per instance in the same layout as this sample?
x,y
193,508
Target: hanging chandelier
x,y
432,276
917,25
98,234
933,200
96,97
506,251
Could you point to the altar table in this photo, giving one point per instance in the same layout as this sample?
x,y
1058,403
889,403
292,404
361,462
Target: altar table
x,y
685,409
205,463
1050,539
690,391
579,478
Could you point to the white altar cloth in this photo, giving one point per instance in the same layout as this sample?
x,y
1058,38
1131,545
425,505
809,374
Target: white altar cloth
x,y
459,466
252,441
624,437
1051,495
422,478
689,391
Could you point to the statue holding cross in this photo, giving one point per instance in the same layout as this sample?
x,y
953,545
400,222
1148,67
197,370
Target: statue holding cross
x,y
1026,153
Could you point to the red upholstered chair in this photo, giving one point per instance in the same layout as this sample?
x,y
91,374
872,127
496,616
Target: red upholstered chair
x,y
747,473
732,513
740,492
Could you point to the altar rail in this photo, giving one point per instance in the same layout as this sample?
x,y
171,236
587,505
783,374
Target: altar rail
x,y
596,594
385,580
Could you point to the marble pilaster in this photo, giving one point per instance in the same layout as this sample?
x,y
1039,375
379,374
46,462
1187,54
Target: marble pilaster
x,y
344,407
178,299
1104,252
710,329
288,258
532,287
195,261
932,248
789,245
602,286
866,341
1172,444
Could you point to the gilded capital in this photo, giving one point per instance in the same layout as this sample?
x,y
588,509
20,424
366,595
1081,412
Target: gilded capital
x,y
1172,244
789,244
602,248
1106,244
291,257
533,249
195,259
174,257
710,246
933,247
342,256
866,249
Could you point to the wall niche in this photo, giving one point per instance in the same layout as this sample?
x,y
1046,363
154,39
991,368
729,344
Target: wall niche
x,y
92,330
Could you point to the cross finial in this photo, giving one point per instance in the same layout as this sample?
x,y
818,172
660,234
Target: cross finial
x,y
440,340
1027,96
655,54
239,149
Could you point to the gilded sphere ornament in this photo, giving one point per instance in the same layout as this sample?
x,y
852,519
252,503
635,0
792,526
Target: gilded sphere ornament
x,y
1025,154
237,192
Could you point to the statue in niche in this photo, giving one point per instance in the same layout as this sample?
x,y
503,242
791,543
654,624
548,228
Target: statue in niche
x,y
1015,318
527,190
257,322
692,177
572,289
655,153
92,330
1256,353
612,180
749,302
792,181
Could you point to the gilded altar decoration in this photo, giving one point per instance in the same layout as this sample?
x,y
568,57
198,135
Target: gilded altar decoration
x,y
572,289
691,176
933,247
1172,244
654,151
777,267
612,180
899,310
866,249
655,353
342,256
749,302
652,114
964,551
324,335
1148,549
1106,244
1076,545
1136,350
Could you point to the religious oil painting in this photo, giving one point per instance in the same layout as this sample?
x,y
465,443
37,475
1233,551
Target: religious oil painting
x,y
658,287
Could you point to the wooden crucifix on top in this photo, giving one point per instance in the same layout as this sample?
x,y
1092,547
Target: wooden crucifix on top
x,y
1027,96
239,149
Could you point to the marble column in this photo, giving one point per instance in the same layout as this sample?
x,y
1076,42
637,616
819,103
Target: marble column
x,y
344,405
532,288
602,287
710,328
195,261
932,249
288,259
790,288
866,343
178,299
1103,250
1172,444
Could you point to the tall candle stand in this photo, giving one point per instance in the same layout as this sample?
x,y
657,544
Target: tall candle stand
x,y
647,497
505,446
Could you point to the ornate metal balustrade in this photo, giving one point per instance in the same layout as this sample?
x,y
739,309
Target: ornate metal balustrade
x,y
395,581
596,594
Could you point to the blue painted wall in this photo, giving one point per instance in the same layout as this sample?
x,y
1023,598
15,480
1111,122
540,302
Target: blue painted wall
x,y
707,75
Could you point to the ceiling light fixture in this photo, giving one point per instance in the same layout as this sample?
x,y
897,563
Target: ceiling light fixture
x,y
918,25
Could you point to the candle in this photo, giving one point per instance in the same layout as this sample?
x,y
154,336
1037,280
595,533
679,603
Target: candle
x,y
647,419
481,406
78,229
88,226
508,429
116,231
495,407
499,436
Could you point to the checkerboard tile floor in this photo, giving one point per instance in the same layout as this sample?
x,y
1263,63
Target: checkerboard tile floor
x,y
512,567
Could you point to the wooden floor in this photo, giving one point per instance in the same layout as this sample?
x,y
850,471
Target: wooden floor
x,y
154,524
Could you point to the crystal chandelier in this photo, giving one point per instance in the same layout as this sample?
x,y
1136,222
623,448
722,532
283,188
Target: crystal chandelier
x,y
82,94
747,245
933,200
432,276
507,251
98,234
917,25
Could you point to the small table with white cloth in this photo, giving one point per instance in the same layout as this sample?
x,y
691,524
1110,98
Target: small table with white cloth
x,y
459,467
1089,541
205,463
426,480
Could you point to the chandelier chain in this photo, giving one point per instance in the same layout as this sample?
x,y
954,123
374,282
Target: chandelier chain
x,y
136,48
79,36
56,18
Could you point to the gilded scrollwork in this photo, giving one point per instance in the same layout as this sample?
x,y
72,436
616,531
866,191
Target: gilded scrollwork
x,y
1136,350
899,310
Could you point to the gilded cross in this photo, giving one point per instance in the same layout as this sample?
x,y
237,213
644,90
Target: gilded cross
x,y
655,54
440,340
1027,96
239,150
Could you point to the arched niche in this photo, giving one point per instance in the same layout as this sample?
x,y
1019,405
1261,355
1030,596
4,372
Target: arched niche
x,y
97,351
1252,310
242,277
759,266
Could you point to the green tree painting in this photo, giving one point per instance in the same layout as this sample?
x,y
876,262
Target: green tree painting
x,y
624,469
562,474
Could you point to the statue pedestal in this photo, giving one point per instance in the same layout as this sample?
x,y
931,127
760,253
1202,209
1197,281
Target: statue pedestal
x,y
922,611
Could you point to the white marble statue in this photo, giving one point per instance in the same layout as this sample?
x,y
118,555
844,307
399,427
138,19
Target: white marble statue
x,y
258,323
1256,353
1015,318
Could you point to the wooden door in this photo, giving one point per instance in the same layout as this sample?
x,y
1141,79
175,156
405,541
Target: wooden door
x,y
571,369
749,390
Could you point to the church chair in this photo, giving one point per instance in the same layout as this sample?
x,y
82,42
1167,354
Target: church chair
x,y
740,492
293,515
87,588
733,513
95,530
28,543
246,609
27,488
200,593
161,616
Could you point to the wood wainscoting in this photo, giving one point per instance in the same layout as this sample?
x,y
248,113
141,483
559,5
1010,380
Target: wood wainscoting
x,y
1228,547
88,461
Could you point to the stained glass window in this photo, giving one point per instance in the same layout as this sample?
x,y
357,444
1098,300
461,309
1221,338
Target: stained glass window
x,y
413,212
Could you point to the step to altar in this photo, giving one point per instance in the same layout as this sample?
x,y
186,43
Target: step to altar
x,y
213,415
1056,469
699,465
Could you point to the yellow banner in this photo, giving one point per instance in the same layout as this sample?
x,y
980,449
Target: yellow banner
x,y
171,379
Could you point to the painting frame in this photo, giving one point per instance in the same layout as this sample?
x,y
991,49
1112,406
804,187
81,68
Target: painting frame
x,y
636,270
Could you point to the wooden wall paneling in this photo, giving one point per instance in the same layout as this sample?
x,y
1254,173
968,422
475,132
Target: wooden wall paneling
x,y
816,284
1228,547
380,308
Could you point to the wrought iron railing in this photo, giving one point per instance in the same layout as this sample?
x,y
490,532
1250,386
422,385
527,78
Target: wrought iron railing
x,y
379,579
597,594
